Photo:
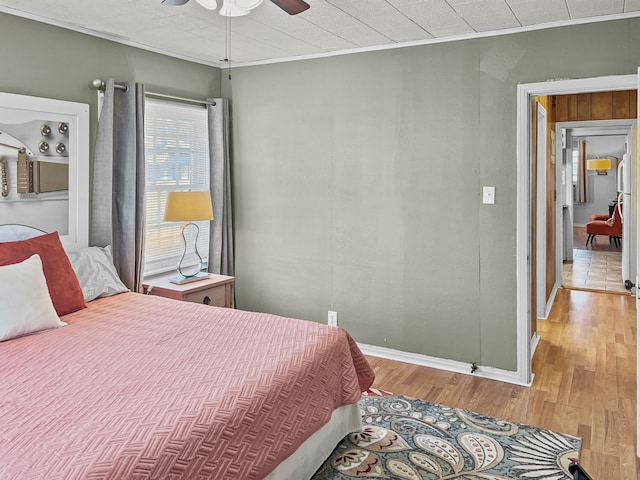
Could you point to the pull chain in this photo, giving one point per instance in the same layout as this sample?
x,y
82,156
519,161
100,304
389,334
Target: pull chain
x,y
228,45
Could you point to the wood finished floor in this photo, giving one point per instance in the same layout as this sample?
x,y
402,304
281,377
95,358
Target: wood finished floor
x,y
584,385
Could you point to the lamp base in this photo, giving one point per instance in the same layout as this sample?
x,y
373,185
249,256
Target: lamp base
x,y
181,279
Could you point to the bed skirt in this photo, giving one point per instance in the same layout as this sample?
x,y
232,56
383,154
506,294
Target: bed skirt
x,y
314,451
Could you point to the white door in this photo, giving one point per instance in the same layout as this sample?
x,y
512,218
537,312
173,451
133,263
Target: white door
x,y
625,198
541,220
636,191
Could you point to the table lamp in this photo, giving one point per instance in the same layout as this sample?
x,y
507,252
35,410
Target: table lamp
x,y
189,207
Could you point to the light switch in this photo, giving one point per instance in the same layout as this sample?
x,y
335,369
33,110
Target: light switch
x,y
489,195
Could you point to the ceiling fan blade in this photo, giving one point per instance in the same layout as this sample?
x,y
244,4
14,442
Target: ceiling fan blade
x,y
292,7
174,2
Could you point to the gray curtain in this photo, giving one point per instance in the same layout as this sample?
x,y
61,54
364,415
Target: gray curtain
x,y
119,180
580,189
221,238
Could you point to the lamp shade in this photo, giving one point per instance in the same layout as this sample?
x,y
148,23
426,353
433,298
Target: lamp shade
x,y
599,164
188,207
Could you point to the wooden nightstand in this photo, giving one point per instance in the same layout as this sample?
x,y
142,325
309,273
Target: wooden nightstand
x,y
217,290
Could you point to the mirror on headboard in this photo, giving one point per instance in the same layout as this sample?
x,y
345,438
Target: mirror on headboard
x,y
44,166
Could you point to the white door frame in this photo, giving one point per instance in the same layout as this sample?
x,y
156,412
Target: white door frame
x,y
523,236
635,180
587,128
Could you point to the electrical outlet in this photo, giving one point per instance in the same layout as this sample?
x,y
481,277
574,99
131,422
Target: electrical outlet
x,y
332,318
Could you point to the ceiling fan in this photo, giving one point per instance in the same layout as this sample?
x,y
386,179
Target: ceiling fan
x,y
236,8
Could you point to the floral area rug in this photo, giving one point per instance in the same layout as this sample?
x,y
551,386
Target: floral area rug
x,y
412,439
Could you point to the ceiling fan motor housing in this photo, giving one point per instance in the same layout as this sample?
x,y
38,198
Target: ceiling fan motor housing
x,y
236,8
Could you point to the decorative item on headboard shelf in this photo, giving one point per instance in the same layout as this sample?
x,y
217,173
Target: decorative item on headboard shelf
x,y
189,207
39,177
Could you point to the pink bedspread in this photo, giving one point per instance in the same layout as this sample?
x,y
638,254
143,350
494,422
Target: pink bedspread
x,y
145,387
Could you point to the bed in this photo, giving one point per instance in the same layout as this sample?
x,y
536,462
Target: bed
x,y
140,386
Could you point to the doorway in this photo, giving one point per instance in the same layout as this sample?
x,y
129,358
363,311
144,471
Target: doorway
x,y
526,289
593,195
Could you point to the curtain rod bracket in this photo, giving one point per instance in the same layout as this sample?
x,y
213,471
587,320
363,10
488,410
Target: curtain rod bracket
x,y
100,85
97,84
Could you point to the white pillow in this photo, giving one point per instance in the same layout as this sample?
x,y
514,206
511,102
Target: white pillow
x,y
96,273
25,304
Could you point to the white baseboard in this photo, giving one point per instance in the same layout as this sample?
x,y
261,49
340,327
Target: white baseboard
x,y
534,343
552,298
442,364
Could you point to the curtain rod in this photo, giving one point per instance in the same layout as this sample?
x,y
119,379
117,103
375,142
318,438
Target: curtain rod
x,y
100,85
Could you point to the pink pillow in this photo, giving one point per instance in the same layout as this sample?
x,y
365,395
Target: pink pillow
x,y
62,281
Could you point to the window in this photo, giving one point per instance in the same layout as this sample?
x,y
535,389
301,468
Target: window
x,y
177,158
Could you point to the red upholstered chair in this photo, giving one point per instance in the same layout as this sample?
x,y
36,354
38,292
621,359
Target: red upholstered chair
x,y
598,216
600,225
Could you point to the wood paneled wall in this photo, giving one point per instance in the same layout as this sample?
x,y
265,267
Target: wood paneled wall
x,y
581,107
551,194
549,166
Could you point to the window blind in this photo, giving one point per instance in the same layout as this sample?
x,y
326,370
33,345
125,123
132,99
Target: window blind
x,y
177,159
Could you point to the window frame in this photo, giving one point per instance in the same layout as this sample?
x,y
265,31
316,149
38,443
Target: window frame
x,y
164,160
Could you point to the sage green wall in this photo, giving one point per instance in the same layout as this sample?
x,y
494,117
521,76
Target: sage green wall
x,y
47,61
358,178
357,185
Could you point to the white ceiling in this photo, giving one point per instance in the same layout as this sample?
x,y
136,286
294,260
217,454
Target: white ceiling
x,y
328,27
